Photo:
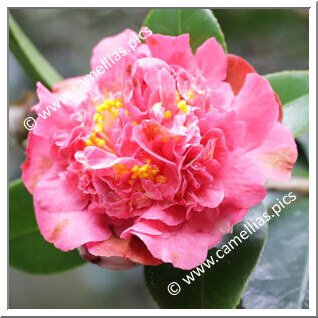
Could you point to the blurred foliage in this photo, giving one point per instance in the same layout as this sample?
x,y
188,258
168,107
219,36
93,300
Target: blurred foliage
x,y
270,39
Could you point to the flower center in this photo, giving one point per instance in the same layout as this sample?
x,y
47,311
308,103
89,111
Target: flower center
x,y
146,171
103,120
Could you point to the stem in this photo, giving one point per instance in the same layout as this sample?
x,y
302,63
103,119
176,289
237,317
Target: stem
x,y
295,184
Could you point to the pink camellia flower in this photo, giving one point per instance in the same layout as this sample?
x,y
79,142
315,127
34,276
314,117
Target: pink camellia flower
x,y
159,157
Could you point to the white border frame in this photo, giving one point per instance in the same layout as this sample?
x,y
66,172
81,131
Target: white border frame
x,y
312,169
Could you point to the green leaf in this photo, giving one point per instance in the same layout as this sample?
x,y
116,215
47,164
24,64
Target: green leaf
x,y
201,24
296,116
21,217
28,251
303,141
221,285
289,85
33,62
281,278
292,88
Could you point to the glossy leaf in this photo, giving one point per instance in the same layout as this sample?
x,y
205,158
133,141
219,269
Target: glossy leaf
x,y
33,62
289,85
281,278
201,24
296,116
301,168
303,141
293,90
28,251
21,217
221,285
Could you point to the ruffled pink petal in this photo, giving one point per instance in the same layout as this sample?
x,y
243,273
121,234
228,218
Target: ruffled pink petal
x,y
71,229
277,155
113,58
38,161
72,226
149,135
173,215
111,262
171,244
237,69
173,50
167,87
98,159
212,61
133,249
191,88
75,88
47,194
209,193
242,181
256,107
52,123
232,129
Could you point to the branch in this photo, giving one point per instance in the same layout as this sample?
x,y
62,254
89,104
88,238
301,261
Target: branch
x,y
295,184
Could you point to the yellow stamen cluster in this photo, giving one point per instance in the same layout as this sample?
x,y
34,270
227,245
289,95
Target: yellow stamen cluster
x,y
109,105
167,114
182,105
148,171
94,141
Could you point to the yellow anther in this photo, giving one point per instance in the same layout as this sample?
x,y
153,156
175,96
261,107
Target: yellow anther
x,y
118,104
167,114
161,179
93,137
100,142
127,112
101,108
88,142
165,139
145,171
135,123
98,117
143,168
98,127
98,108
115,113
183,106
110,103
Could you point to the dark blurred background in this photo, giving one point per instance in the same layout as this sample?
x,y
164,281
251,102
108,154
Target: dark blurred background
x,y
270,39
